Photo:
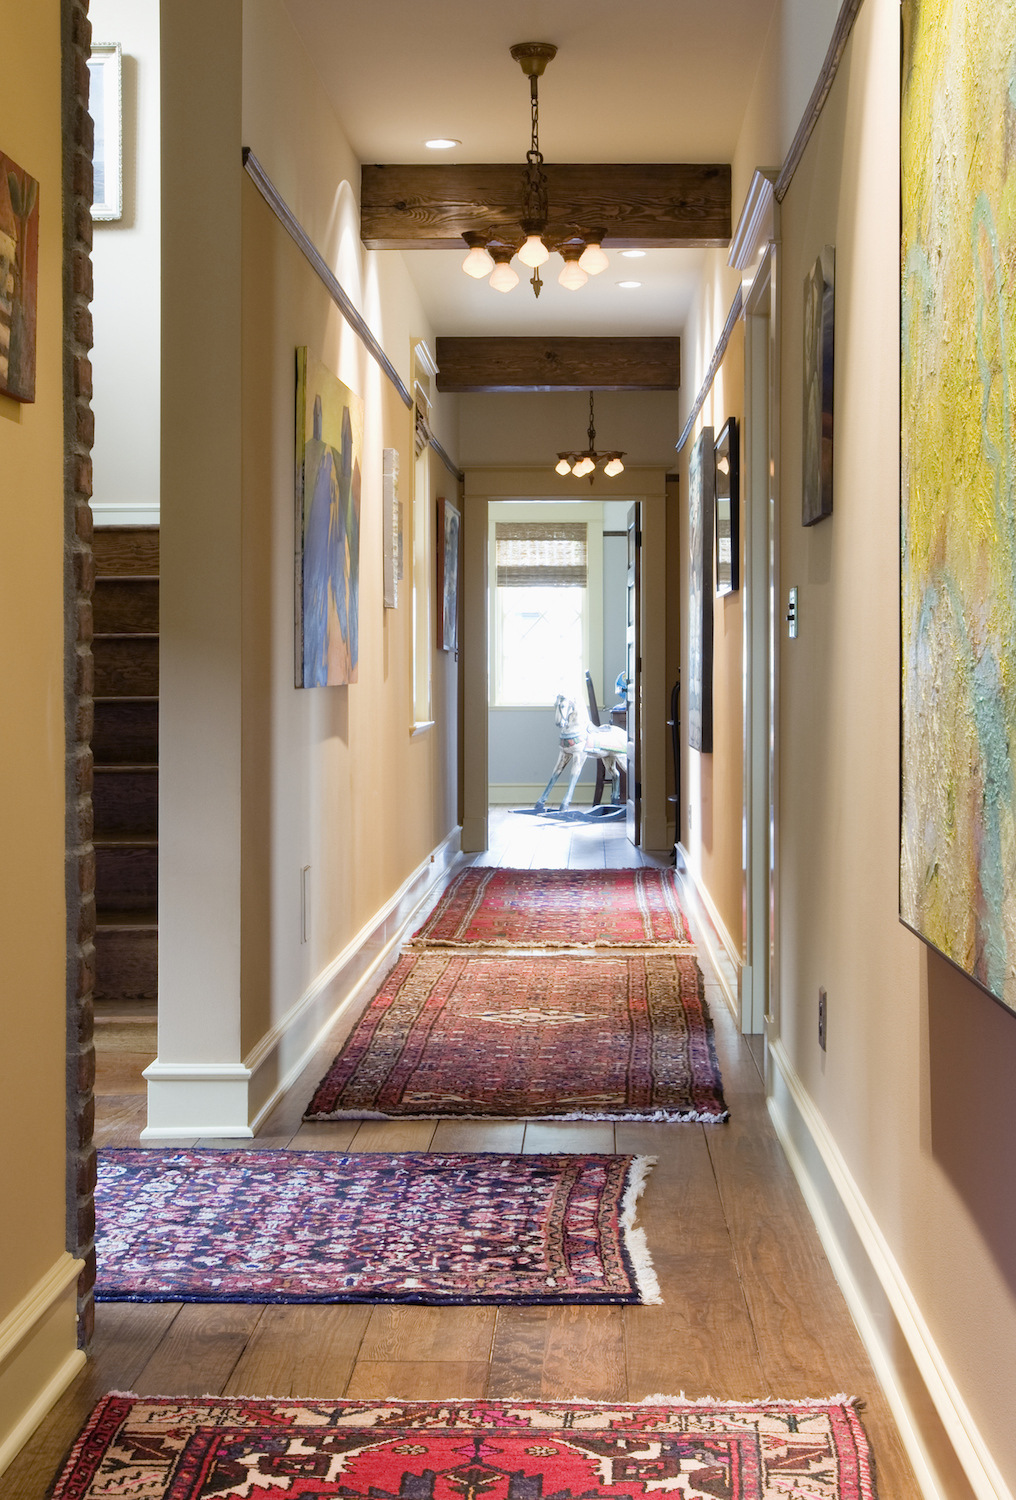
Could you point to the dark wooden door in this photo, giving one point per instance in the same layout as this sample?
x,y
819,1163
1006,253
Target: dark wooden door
x,y
633,670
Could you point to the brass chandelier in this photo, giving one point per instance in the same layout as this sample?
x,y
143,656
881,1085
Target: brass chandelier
x,y
585,462
491,252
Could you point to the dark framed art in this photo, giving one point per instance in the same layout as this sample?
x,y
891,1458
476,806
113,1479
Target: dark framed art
x,y
449,522
819,351
19,279
700,593
727,505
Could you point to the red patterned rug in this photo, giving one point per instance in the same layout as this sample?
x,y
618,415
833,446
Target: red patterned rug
x,y
500,908
319,1226
615,1037
184,1449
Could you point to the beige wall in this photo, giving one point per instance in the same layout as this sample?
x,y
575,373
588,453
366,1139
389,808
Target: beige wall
x,y
37,1329
903,1132
329,779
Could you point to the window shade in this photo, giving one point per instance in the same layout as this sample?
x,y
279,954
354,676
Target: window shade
x,y
540,554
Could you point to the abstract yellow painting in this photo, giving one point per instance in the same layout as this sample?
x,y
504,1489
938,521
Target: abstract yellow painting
x,y
958,472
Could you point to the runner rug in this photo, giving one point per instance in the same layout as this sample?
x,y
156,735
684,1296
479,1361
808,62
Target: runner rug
x,y
320,1226
615,1037
503,908
185,1449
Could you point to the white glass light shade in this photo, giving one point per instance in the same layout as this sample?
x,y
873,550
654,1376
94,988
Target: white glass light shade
x,y
584,466
593,259
478,262
534,252
572,276
562,466
503,278
614,467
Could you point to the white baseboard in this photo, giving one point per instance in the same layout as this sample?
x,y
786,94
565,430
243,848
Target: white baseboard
x,y
38,1354
230,1100
724,953
525,793
125,513
934,1422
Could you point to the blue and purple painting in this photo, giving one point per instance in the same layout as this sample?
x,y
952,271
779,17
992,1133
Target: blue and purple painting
x,y
329,465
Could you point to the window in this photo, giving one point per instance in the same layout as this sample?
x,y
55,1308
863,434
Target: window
x,y
540,617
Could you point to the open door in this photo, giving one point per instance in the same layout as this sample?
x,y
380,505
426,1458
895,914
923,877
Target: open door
x,y
633,671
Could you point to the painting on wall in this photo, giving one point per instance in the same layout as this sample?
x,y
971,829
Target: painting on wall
x,y
106,109
727,504
19,279
329,465
448,528
958,483
700,593
817,441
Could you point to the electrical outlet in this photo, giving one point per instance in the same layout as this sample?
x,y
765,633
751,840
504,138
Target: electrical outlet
x,y
822,1018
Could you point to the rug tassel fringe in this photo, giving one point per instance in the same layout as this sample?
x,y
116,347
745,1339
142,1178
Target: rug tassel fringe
x,y
635,1239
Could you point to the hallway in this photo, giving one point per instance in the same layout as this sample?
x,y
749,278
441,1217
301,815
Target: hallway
x,y
750,1306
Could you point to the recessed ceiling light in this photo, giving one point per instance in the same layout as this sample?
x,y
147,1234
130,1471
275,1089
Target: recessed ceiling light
x,y
442,143
629,283
633,254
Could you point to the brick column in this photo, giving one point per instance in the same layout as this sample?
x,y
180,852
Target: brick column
x,y
79,572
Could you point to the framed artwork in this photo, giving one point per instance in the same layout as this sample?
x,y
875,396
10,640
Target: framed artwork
x,y
817,438
448,528
700,593
727,499
329,465
958,491
19,279
105,95
391,518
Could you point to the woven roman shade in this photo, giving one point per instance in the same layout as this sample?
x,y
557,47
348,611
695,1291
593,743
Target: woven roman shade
x,y
540,554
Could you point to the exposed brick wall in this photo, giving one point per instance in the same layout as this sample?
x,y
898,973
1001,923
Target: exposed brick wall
x,y
78,579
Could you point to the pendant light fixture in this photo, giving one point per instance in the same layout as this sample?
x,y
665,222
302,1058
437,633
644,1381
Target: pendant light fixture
x,y
585,462
491,253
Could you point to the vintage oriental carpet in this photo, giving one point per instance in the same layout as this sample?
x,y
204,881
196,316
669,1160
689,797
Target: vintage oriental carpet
x,y
615,1037
504,908
166,1449
320,1226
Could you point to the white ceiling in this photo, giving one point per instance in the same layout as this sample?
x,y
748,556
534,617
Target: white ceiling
x,y
642,81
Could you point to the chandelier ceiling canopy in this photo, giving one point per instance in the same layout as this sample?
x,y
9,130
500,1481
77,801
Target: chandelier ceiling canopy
x,y
491,252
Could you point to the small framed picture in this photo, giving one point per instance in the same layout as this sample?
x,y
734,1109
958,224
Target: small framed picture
x,y
448,524
105,108
727,503
819,352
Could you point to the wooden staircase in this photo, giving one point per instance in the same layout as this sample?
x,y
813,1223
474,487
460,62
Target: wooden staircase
x,y
125,745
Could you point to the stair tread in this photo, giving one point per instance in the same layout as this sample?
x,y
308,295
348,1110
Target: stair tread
x,y
136,840
120,698
128,765
125,635
146,917
126,577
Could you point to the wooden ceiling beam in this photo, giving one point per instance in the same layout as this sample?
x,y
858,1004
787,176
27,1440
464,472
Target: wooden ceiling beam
x,y
658,206
558,364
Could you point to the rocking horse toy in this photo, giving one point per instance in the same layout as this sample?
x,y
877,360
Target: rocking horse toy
x,y
580,738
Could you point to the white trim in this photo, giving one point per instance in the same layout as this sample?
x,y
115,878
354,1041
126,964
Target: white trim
x,y
754,227
424,357
37,1337
724,954
125,512
30,1311
421,727
891,1324
525,793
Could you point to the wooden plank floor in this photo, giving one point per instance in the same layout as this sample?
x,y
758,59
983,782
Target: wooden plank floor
x,y
750,1307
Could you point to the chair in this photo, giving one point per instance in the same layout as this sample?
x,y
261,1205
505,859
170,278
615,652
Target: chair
x,y
594,715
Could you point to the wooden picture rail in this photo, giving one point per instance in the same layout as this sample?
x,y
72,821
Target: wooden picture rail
x,y
655,206
339,296
714,365
558,364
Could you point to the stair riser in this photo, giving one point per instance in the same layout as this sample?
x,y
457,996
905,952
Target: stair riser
x,y
126,550
126,801
126,879
126,732
126,965
126,604
126,668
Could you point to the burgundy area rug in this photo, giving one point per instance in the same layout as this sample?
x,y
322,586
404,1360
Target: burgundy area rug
x,y
320,1226
615,1037
499,908
185,1449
